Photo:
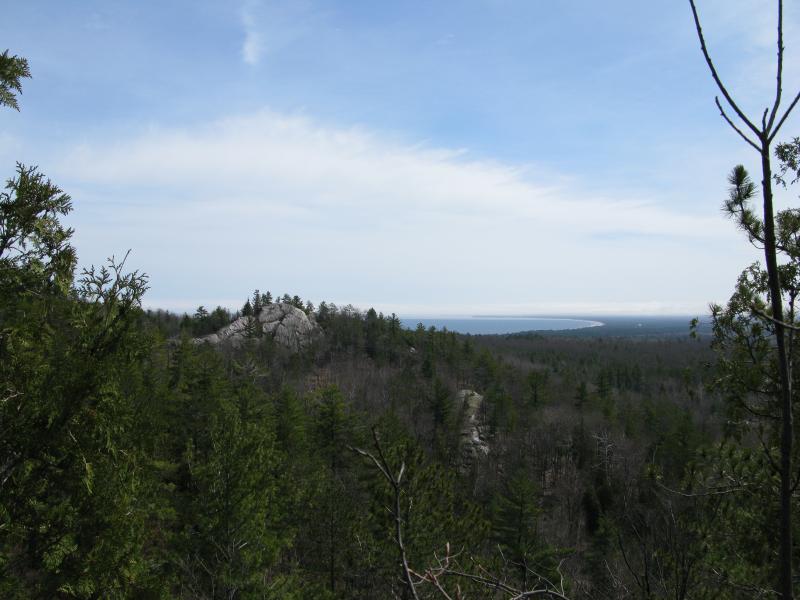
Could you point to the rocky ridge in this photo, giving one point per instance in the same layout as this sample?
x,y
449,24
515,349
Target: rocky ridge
x,y
285,324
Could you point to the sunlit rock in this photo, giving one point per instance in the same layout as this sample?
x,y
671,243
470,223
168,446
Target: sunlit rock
x,y
473,442
287,325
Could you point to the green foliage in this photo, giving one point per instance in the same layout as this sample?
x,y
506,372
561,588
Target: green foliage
x,y
74,502
581,395
12,69
732,521
441,404
516,530
73,493
788,155
231,502
537,383
743,473
434,511
35,254
503,413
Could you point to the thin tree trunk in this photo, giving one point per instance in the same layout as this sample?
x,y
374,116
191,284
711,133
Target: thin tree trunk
x,y
787,426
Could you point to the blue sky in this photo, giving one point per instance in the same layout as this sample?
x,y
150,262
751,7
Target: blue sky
x,y
421,157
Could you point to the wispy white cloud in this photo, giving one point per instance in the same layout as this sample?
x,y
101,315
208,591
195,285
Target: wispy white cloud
x,y
253,44
270,26
269,162
348,214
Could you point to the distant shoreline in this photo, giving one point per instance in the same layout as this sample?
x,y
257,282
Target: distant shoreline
x,y
581,326
501,325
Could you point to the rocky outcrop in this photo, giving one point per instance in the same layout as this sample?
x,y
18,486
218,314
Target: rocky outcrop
x,y
285,324
473,441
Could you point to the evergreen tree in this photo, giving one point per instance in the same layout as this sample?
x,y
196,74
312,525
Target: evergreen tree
x,y
394,325
769,301
200,321
332,508
536,381
70,480
323,313
73,498
441,407
218,319
233,505
371,333
12,70
515,525
581,395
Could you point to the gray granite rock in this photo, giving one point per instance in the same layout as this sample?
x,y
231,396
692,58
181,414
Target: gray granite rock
x,y
473,442
286,324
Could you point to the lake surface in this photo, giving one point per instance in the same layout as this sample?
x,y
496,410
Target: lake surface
x,y
500,325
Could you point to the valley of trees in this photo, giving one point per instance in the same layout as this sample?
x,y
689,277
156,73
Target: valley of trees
x,y
137,463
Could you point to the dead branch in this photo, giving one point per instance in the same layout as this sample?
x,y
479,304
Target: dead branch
x,y
446,567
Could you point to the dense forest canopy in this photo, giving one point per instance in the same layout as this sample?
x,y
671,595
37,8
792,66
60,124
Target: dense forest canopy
x,y
143,457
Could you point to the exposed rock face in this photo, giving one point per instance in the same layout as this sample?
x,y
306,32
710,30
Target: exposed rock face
x,y
473,443
286,324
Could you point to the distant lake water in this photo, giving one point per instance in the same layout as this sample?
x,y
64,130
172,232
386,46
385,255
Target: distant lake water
x,y
500,325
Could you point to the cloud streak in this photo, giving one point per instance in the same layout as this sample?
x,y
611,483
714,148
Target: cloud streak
x,y
269,162
270,27
253,44
346,213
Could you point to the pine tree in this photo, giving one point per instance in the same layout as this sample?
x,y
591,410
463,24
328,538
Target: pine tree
x,y
441,406
516,529
768,305
332,507
536,381
230,503
581,395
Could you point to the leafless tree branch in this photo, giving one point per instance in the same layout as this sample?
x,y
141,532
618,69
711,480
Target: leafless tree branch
x,y
733,125
784,117
394,482
714,74
445,567
779,76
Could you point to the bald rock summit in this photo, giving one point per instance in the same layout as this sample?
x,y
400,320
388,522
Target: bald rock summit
x,y
285,324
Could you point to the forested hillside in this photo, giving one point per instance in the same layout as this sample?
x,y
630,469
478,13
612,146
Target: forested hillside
x,y
149,465
140,463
